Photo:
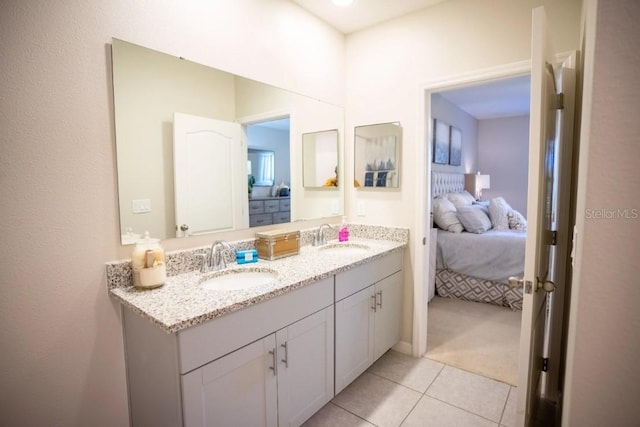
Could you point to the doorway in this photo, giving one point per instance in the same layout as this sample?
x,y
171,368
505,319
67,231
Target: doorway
x,y
493,117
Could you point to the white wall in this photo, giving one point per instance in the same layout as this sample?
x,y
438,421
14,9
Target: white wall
x,y
503,153
603,378
389,65
444,110
62,358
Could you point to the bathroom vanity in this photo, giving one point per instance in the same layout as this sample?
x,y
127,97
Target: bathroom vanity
x,y
268,355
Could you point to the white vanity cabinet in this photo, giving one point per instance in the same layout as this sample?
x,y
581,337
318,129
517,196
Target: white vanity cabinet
x,y
368,316
222,372
281,379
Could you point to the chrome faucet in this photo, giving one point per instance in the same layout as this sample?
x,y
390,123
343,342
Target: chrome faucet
x,y
216,259
318,238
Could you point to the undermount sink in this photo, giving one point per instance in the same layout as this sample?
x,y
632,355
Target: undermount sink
x,y
239,278
345,248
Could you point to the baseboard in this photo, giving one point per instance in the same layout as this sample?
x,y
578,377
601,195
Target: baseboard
x,y
403,347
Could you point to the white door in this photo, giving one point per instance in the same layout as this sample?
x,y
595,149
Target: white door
x,y
239,389
206,156
388,313
542,139
305,367
354,336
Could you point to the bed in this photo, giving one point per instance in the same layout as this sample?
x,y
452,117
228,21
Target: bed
x,y
479,245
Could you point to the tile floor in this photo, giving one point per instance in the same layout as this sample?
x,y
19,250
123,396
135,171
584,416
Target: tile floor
x,y
399,390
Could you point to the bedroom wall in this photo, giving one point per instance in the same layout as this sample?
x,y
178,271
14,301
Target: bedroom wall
x,y
62,358
388,67
603,379
444,110
503,153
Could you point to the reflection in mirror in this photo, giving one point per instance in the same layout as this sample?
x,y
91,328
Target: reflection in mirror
x,y
377,155
149,87
320,159
261,166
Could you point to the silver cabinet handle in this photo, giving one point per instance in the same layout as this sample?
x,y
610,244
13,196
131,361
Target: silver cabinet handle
x,y
380,302
373,307
274,368
286,354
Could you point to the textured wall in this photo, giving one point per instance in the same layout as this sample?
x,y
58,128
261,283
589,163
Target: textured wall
x,y
604,378
62,360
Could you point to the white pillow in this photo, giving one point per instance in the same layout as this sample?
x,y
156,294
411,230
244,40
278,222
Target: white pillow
x,y
460,199
516,221
444,215
498,211
474,219
482,204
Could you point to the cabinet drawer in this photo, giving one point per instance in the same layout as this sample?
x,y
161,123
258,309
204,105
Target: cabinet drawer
x,y
271,205
285,205
256,206
197,348
260,219
280,217
352,281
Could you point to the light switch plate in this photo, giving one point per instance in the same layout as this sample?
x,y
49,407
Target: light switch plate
x,y
141,206
335,207
361,208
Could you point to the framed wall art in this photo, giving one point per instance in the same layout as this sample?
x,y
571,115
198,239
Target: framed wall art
x,y
440,142
455,147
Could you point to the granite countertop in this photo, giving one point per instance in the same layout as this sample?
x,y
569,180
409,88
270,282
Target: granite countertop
x,y
181,303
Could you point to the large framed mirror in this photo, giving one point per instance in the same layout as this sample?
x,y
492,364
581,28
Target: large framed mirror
x,y
377,156
320,153
150,87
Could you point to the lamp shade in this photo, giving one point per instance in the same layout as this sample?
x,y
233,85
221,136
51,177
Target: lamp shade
x,y
474,183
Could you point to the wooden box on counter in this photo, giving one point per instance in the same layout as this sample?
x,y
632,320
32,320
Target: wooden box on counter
x,y
274,244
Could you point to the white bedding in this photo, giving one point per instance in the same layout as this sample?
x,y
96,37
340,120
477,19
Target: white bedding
x,y
495,255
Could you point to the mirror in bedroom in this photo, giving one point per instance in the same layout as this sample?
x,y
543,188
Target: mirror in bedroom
x,y
377,156
231,122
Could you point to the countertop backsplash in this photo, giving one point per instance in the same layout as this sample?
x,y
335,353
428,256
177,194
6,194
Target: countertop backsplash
x,y
119,273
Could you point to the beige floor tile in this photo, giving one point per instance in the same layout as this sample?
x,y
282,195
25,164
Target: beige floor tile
x,y
477,394
509,415
333,416
430,412
378,400
416,373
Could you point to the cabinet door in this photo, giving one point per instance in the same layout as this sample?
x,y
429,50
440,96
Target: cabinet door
x,y
354,336
239,389
305,367
388,314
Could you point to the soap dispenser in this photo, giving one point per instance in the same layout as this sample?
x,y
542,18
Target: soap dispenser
x,y
343,233
147,263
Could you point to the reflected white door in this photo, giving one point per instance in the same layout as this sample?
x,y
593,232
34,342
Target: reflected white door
x,y
206,155
542,139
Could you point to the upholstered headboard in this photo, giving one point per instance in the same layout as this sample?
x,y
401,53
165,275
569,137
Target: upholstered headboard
x,y
446,182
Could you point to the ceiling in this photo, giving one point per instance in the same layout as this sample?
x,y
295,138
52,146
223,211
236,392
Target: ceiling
x,y
502,98
361,13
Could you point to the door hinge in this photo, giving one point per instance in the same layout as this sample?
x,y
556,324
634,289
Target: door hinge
x,y
559,101
545,364
553,238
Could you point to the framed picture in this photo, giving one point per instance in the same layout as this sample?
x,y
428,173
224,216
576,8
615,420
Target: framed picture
x,y
455,147
440,142
377,156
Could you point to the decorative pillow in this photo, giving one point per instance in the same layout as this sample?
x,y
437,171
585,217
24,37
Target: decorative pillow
x,y
444,215
474,219
460,199
498,211
482,204
516,220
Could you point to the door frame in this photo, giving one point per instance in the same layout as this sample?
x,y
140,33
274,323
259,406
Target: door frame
x,y
423,188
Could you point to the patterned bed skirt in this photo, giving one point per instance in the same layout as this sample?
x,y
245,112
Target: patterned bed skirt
x,y
459,286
